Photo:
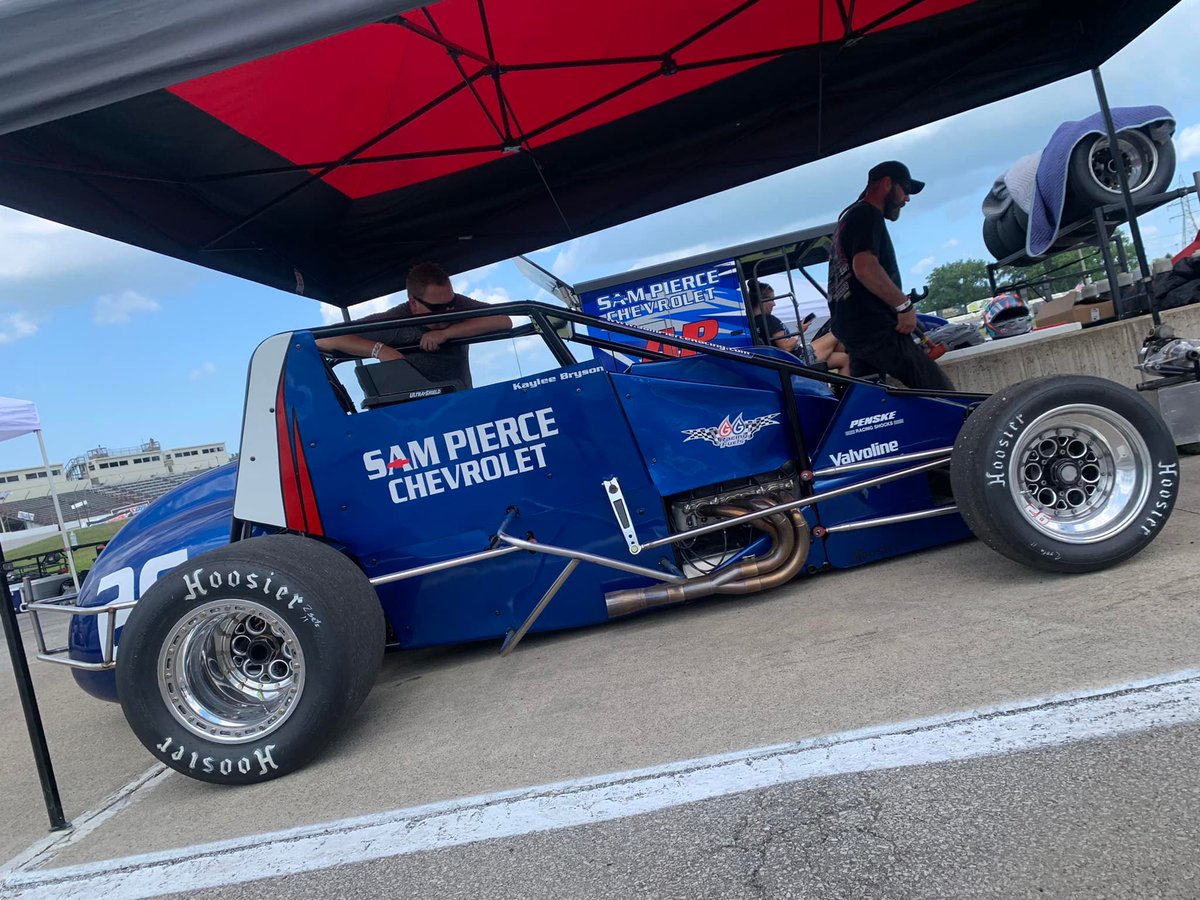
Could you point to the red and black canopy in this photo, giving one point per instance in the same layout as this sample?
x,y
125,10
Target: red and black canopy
x,y
467,131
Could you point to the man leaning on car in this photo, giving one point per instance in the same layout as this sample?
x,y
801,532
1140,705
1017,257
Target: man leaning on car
x,y
429,292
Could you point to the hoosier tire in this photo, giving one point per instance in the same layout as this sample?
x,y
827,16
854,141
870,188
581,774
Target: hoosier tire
x,y
1066,474
241,664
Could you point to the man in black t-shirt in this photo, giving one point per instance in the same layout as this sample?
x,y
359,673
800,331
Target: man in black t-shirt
x,y
871,314
429,292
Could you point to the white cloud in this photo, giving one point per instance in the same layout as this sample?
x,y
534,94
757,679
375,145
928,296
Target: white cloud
x,y
567,258
916,135
655,259
204,370
950,244
332,315
1187,143
15,326
30,247
465,282
491,294
116,309
923,265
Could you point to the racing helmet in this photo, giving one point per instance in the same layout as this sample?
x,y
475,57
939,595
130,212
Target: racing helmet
x,y
1006,316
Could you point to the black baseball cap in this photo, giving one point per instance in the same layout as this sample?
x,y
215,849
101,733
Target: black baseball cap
x,y
897,171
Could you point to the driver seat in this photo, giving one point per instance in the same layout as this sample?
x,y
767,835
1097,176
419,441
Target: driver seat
x,y
398,381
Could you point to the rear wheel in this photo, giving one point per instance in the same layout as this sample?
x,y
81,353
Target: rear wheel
x,y
1067,474
241,664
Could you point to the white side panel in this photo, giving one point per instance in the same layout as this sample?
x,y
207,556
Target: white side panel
x,y
259,496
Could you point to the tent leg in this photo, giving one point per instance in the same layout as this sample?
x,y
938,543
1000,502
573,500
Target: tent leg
x,y
33,717
1130,213
62,527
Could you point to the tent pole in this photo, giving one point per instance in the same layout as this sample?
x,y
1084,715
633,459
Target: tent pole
x,y
1130,213
33,717
62,527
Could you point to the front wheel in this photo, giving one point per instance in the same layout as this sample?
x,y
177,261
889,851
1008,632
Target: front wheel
x,y
241,664
1067,474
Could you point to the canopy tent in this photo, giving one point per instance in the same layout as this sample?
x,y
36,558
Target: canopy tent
x,y
232,134
18,418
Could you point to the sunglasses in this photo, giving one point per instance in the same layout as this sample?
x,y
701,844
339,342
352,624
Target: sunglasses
x,y
433,307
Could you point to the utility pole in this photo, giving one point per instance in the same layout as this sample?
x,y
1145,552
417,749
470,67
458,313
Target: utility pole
x,y
1187,221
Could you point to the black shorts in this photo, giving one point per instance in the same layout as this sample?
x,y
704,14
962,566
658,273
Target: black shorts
x,y
904,360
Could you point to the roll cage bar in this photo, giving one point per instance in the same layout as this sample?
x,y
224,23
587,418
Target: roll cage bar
x,y
547,320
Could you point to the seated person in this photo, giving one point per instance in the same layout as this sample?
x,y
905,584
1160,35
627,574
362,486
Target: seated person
x,y
823,352
826,348
429,293
767,328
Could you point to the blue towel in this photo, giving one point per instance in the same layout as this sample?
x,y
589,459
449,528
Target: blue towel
x,y
1046,215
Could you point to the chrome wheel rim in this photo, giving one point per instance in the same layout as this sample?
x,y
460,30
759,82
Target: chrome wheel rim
x,y
1081,473
231,671
1136,152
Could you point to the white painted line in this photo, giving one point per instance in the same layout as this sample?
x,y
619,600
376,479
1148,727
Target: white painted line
x,y
1122,709
54,843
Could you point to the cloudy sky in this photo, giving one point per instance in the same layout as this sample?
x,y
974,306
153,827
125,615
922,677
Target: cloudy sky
x,y
117,345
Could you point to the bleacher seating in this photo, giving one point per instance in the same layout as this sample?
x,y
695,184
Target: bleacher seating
x,y
101,500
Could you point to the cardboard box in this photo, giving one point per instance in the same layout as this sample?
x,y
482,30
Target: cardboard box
x,y
1070,307
1056,311
1087,313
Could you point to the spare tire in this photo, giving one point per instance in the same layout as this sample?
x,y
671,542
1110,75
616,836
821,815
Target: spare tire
x,y
1092,178
1066,474
241,664
1012,228
992,240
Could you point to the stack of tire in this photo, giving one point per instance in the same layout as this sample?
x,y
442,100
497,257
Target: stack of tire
x,y
1092,181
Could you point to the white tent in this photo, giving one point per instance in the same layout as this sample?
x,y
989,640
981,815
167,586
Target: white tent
x,y
19,417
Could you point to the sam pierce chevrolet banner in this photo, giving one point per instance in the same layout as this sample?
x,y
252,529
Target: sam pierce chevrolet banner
x,y
702,304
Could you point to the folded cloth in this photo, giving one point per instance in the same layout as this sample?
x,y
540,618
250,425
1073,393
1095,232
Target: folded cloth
x,y
1014,186
1045,214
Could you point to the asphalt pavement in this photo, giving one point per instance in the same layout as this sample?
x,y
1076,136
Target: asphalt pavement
x,y
1109,819
935,633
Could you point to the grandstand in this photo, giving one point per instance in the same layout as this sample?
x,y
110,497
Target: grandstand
x,y
42,508
89,503
101,482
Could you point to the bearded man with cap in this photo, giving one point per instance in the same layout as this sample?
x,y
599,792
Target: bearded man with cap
x,y
871,314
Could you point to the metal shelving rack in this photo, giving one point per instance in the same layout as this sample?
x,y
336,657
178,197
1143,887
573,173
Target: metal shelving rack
x,y
1104,219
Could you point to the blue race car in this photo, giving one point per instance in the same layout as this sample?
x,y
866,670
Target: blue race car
x,y
620,478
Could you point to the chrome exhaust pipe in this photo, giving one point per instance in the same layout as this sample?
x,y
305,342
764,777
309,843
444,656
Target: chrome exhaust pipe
x,y
789,550
797,555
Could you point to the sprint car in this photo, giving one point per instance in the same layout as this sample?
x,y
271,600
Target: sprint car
x,y
252,605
